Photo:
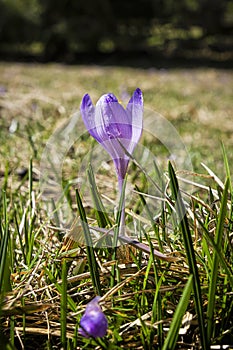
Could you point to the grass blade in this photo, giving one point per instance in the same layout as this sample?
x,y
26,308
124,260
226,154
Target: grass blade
x,y
100,212
4,256
227,167
63,316
214,271
89,246
102,217
218,251
59,287
187,238
157,303
173,333
150,215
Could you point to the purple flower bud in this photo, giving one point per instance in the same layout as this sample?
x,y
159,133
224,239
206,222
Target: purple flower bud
x,y
93,323
115,128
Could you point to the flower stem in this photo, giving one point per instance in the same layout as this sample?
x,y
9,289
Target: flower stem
x,y
122,222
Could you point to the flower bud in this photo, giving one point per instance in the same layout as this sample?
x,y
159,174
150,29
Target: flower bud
x,y
93,323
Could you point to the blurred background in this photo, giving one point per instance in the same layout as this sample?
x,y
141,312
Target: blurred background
x,y
143,30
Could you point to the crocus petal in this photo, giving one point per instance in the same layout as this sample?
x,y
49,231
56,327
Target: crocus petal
x,y
135,108
93,323
112,121
87,110
116,147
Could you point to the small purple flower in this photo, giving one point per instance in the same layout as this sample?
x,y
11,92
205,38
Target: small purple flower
x,y
93,323
115,128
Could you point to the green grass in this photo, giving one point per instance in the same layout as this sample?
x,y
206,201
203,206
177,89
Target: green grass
x,y
47,277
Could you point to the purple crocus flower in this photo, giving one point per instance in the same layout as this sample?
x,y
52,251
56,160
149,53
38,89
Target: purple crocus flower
x,y
117,129
93,323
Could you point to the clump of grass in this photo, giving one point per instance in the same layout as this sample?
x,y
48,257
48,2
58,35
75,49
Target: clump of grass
x,y
46,281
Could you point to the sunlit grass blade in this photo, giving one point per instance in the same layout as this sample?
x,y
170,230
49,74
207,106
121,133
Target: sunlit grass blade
x,y
19,236
187,238
227,167
59,287
3,258
63,316
228,175
218,251
173,333
5,284
215,263
101,215
157,312
94,271
4,240
5,179
150,215
157,303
